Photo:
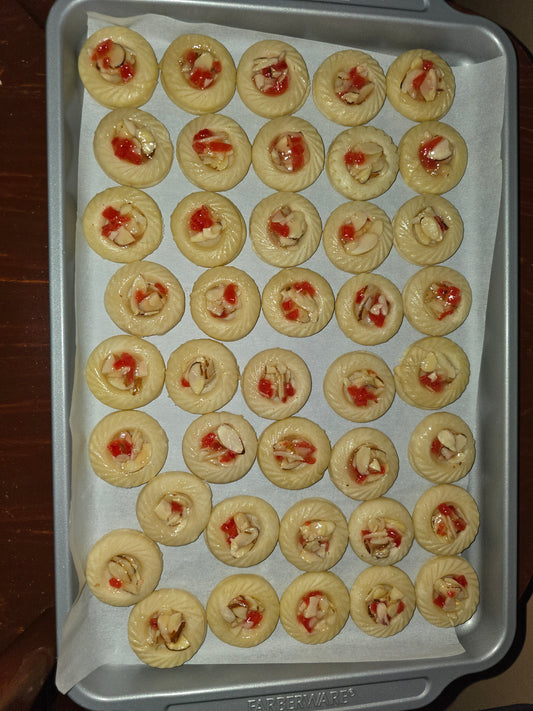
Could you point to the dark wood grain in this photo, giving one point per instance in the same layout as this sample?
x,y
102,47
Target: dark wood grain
x,y
26,521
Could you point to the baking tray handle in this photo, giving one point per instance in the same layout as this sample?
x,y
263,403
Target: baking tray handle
x,y
437,9
399,693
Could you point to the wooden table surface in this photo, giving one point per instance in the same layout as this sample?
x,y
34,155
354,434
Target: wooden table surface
x,y
26,522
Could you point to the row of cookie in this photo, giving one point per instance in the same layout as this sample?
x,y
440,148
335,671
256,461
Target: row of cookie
x,y
128,448
201,375
242,609
145,299
119,69
125,224
214,153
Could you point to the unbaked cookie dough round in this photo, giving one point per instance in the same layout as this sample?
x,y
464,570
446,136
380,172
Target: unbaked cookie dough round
x,y
293,453
364,463
127,448
357,236
382,600
427,229
118,67
359,386
362,162
125,372
288,154
213,152
198,74
242,531
369,309
447,590
420,85
202,375
313,534
432,373
174,508
123,224
349,87
433,157
276,383
167,628
208,229
285,229
123,567
446,519
381,531
272,78
133,148
144,299
225,303
436,300
442,448
298,302
243,610
314,607
219,447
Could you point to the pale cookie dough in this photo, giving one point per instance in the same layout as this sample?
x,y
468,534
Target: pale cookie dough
x,y
285,229
167,628
433,157
293,453
125,372
133,148
359,386
288,154
362,162
202,376
198,74
118,67
208,229
436,300
213,152
442,448
382,600
219,447
369,309
272,79
123,567
174,508
314,607
349,87
298,302
446,519
127,448
432,373
144,298
427,229
225,303
242,531
381,531
364,463
357,236
276,383
313,534
420,85
447,590
243,610
123,224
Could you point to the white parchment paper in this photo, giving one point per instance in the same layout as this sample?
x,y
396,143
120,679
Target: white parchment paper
x,y
95,634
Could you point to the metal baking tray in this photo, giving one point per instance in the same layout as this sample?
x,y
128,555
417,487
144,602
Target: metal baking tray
x,y
392,26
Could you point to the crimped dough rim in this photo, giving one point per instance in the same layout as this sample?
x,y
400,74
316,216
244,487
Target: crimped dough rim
x,y
313,508
327,101
343,449
389,509
435,568
180,91
174,482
